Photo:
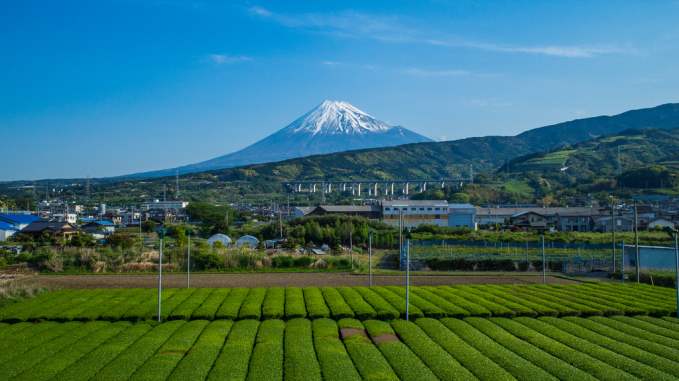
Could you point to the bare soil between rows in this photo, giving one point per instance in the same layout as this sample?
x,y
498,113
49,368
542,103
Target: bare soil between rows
x,y
277,280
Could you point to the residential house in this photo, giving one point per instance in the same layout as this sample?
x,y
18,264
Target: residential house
x,y
529,220
99,228
621,223
62,230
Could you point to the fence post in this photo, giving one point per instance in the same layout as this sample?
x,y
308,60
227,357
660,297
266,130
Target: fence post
x,y
188,262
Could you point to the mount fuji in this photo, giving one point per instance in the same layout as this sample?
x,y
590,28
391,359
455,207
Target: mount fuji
x,y
332,126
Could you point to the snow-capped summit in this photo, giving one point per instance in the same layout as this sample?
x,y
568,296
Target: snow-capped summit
x,y
337,117
332,126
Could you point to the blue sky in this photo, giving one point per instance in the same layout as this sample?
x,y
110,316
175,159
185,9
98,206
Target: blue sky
x,y
102,88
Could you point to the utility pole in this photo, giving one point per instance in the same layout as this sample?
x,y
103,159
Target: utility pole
x,y
161,233
188,259
622,264
407,280
370,259
636,240
613,229
676,267
351,247
544,262
176,179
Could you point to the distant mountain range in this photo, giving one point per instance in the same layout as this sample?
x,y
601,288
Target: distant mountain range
x,y
571,155
332,126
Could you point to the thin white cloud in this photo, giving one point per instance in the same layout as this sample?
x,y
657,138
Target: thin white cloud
x,y
421,72
221,59
390,29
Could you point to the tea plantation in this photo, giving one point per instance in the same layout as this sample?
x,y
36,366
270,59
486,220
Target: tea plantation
x,y
588,331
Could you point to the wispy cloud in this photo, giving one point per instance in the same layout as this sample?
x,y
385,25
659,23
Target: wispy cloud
x,y
391,29
421,72
221,59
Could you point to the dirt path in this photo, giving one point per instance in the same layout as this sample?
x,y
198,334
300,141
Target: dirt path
x,y
277,279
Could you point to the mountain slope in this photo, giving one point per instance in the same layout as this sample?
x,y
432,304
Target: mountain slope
x,y
332,126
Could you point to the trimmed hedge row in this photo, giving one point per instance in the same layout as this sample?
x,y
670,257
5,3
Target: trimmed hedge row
x,y
364,303
523,348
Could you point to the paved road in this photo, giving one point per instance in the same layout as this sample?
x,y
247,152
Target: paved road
x,y
277,279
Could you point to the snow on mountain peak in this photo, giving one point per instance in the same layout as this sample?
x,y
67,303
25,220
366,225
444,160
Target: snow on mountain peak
x,y
337,117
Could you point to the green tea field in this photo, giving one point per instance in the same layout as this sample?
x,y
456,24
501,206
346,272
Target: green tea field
x,y
592,331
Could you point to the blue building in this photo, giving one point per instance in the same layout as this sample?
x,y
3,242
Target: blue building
x,y
462,216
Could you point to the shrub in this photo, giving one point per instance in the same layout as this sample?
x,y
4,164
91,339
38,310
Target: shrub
x,y
383,309
300,359
210,306
367,358
274,303
184,311
440,362
398,302
88,365
468,356
449,308
267,356
234,358
336,365
361,308
294,303
231,305
338,307
252,305
404,362
315,304
533,354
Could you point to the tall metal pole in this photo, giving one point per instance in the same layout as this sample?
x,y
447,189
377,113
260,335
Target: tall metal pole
x,y
407,280
636,241
544,262
188,262
676,267
622,263
351,247
613,232
160,276
370,259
